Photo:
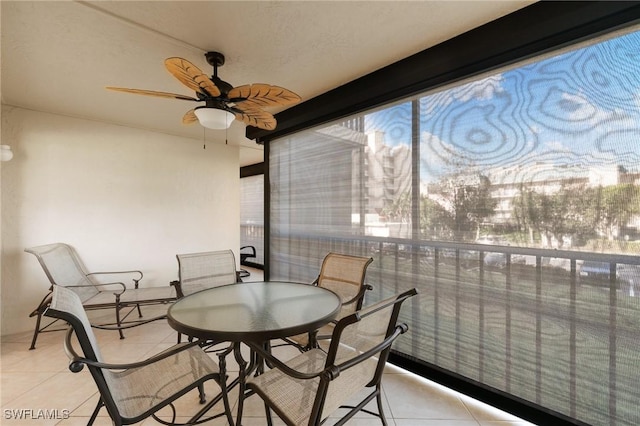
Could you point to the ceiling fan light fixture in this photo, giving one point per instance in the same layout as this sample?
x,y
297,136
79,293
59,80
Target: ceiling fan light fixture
x,y
214,118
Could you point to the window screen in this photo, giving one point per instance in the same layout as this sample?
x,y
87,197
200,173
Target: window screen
x,y
512,203
252,215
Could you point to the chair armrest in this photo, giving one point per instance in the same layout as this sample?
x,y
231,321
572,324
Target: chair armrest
x,y
116,293
334,371
253,251
44,303
360,294
77,361
136,281
273,361
178,287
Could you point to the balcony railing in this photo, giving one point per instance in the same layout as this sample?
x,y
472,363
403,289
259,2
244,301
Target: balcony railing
x,y
556,328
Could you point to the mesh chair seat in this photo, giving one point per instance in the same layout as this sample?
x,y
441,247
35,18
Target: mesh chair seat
x,y
138,390
294,398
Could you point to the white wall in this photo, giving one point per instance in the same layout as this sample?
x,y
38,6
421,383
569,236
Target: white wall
x,y
124,198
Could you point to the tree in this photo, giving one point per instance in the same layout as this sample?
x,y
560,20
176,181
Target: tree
x,y
465,202
615,206
435,220
573,210
399,210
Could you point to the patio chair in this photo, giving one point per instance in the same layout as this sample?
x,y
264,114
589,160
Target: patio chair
x,y
308,388
138,390
246,252
199,271
344,275
63,267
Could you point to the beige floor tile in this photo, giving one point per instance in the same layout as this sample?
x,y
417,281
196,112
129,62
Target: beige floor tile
x,y
371,406
46,338
86,408
83,421
14,384
48,358
40,380
63,391
411,397
486,413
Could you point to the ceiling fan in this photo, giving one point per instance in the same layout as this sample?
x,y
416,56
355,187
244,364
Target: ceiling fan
x,y
223,102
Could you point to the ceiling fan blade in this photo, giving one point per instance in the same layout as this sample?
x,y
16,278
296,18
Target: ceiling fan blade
x,y
190,117
262,95
152,93
257,118
191,76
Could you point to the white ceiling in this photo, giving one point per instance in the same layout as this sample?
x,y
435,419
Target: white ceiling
x,y
57,56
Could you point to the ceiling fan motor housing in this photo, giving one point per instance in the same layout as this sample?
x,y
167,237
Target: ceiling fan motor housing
x,y
215,59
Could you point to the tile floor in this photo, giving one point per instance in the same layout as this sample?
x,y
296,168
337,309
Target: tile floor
x,y
40,380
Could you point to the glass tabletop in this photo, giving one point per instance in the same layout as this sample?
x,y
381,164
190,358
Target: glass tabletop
x,y
253,311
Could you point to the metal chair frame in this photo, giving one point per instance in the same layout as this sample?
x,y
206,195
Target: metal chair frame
x,y
327,278
67,306
205,270
298,383
243,273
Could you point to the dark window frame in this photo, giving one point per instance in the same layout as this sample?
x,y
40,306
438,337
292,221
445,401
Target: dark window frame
x,y
532,31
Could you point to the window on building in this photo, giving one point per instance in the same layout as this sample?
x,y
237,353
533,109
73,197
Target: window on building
x,y
512,203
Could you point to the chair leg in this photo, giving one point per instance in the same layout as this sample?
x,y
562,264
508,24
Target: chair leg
x,y
203,396
118,321
380,410
242,365
36,331
95,412
267,413
38,313
222,365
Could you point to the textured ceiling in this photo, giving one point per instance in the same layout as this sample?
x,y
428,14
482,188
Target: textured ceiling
x,y
58,56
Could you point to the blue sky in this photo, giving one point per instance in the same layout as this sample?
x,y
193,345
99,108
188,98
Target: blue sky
x,y
579,109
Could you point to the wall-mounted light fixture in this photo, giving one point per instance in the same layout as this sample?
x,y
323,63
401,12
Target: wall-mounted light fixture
x,y
5,153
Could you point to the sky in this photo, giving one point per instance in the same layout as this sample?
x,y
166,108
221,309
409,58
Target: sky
x,y
579,110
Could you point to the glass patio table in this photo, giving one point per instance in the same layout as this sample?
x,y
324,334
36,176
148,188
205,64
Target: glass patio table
x,y
252,312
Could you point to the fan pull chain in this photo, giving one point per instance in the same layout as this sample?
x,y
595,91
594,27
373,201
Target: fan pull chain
x,y
204,137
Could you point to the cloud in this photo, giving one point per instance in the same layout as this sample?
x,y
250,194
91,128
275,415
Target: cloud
x,y
555,146
438,157
484,89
